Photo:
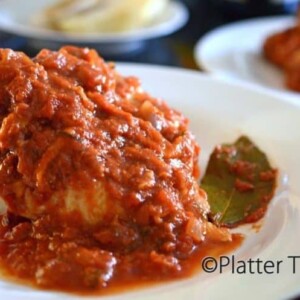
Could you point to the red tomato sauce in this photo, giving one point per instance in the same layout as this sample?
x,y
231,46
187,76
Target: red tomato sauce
x,y
43,255
99,178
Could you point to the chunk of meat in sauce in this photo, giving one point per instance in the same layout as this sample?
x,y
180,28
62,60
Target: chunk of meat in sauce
x,y
99,178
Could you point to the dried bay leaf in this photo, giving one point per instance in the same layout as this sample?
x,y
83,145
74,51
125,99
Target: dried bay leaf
x,y
239,182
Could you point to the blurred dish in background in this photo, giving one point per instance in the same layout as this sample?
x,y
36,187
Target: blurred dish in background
x,y
19,20
282,49
235,51
100,16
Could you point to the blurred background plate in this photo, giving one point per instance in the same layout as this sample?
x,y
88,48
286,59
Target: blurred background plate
x,y
235,51
17,21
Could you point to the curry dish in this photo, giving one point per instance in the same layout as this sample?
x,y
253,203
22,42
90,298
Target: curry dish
x,y
282,49
98,177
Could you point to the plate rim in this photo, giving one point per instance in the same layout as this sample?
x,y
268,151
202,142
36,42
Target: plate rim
x,y
291,98
202,42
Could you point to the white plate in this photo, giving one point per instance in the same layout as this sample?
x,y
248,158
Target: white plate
x,y
15,19
219,112
235,51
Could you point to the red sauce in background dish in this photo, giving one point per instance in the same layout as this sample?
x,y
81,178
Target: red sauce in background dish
x,y
100,178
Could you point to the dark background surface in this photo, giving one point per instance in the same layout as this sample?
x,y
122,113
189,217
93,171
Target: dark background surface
x,y
177,49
